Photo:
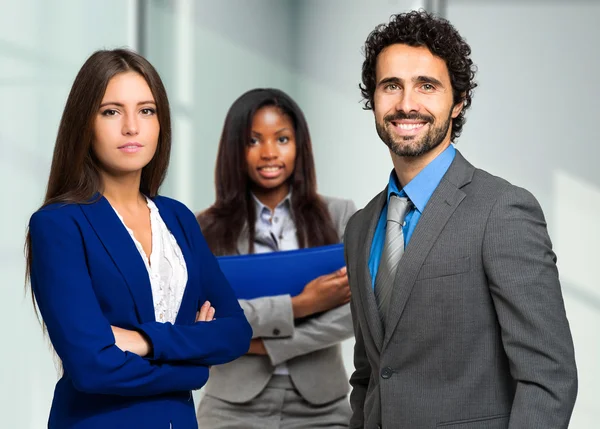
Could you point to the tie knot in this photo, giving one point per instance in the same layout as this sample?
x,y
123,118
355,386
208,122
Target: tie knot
x,y
397,208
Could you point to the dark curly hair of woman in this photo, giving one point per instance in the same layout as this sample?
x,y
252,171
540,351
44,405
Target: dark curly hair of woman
x,y
420,28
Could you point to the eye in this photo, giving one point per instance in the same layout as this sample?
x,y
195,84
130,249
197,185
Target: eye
x,y
109,112
392,86
283,139
148,111
428,87
253,141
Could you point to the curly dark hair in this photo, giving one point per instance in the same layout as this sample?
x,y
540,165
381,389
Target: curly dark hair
x,y
420,28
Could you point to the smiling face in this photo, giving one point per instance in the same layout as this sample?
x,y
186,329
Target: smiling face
x,y
271,151
413,101
126,127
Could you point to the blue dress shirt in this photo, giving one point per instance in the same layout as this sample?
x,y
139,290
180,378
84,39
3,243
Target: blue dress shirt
x,y
418,190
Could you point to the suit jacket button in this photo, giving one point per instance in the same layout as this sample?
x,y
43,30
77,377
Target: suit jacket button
x,y
276,332
386,372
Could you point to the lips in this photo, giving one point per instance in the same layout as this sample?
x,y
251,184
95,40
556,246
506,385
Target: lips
x,y
270,171
407,128
131,147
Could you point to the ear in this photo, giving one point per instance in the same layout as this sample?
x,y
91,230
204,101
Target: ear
x,y
458,107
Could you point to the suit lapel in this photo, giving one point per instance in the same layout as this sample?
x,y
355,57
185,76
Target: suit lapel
x,y
444,201
367,296
124,254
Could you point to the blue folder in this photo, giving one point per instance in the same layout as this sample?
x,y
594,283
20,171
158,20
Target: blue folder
x,y
280,273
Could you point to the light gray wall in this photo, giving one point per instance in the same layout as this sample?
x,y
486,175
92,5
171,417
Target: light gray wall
x,y
42,46
216,51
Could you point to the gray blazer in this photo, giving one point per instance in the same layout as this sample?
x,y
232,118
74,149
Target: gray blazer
x,y
311,350
476,336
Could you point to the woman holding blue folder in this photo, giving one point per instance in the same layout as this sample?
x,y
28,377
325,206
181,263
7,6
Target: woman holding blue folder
x,y
124,280
293,375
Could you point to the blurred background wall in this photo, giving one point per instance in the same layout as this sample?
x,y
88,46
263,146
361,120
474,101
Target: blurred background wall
x,y
533,121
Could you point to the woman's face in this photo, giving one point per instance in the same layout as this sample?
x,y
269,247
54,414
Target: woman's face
x,y
271,152
126,127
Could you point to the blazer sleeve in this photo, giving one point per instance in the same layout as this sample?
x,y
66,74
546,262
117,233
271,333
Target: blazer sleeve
x,y
78,330
316,333
208,343
524,284
270,316
324,330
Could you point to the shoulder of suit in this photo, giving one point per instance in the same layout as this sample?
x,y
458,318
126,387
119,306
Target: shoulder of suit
x,y
336,202
180,209
67,215
172,203
61,210
493,185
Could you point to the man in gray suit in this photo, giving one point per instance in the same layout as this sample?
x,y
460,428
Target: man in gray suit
x,y
456,302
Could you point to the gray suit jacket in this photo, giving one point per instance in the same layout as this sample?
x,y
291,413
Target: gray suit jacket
x,y
476,336
311,350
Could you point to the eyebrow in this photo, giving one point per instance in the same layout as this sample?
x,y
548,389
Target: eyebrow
x,y
276,132
114,103
417,79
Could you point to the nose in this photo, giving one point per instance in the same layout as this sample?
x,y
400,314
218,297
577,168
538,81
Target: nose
x,y
130,125
407,102
269,150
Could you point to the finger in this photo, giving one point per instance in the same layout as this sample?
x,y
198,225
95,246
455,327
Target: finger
x,y
211,314
333,280
204,311
336,273
197,316
342,283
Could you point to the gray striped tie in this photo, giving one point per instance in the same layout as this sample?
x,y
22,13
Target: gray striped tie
x,y
392,252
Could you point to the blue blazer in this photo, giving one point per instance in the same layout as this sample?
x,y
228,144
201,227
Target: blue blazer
x,y
87,275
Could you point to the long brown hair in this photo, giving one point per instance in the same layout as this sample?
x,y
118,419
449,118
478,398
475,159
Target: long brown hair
x,y
233,209
74,173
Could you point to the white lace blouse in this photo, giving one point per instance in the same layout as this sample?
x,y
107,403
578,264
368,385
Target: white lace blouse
x,y
166,268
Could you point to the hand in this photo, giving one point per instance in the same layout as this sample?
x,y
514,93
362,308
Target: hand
x,y
131,341
206,313
322,294
257,347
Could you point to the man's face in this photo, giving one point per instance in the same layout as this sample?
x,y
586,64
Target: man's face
x,y
413,102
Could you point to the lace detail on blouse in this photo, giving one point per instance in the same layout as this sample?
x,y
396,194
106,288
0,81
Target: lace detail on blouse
x,y
166,268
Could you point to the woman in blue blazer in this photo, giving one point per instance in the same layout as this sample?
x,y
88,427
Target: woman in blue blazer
x,y
133,300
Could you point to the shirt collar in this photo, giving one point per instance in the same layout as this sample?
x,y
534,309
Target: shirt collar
x,y
263,210
422,186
